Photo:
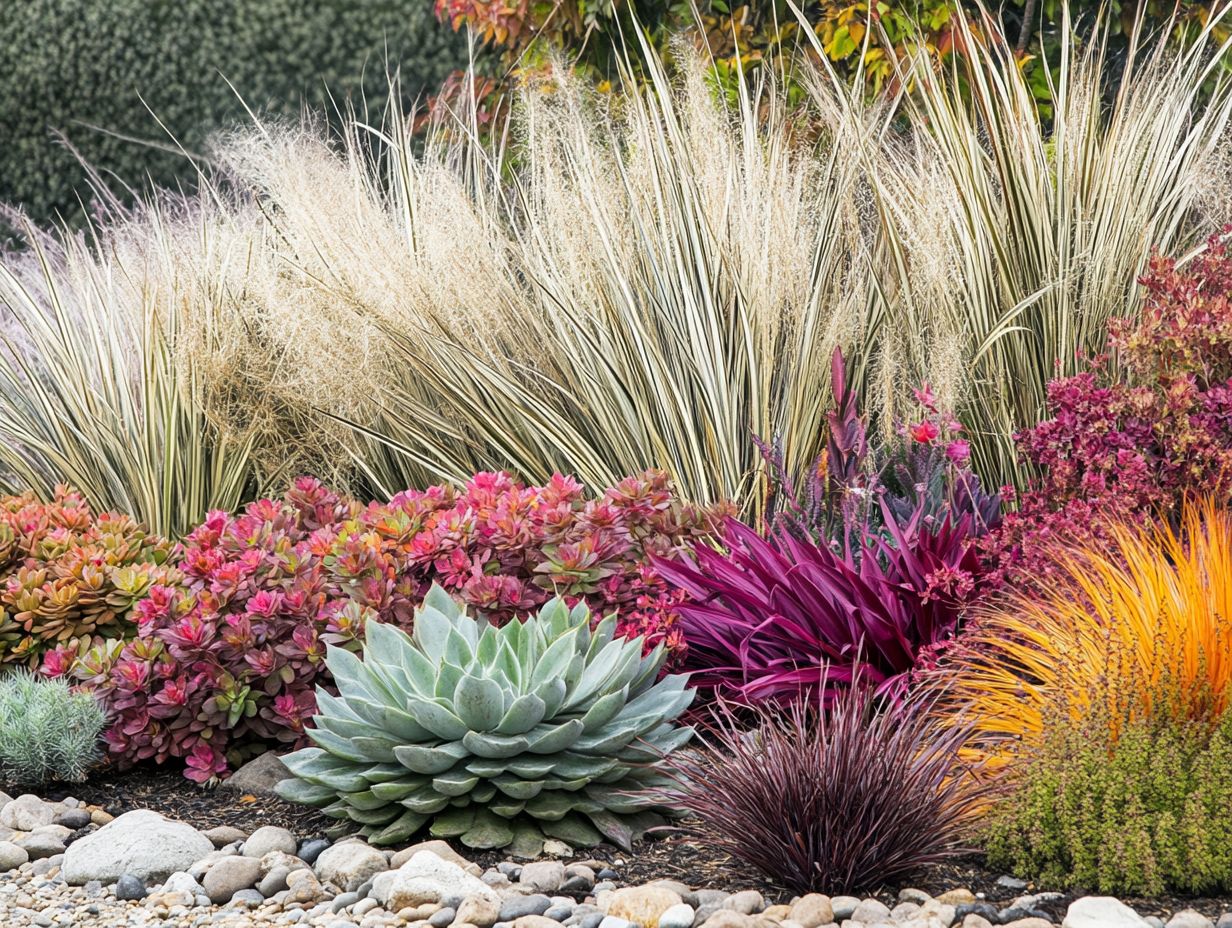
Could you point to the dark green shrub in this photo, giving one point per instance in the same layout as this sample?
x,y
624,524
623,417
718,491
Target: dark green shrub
x,y
69,64
1145,813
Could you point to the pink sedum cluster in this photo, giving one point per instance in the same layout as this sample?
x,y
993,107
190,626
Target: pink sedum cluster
x,y
1117,449
225,665
505,548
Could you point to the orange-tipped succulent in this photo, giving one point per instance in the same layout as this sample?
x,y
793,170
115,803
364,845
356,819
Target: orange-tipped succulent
x,y
1139,629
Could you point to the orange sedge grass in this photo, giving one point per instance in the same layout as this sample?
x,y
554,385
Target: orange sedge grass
x,y
1137,630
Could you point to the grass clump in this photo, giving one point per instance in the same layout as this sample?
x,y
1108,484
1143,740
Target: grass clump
x,y
48,732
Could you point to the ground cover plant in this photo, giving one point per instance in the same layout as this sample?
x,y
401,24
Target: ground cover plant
x,y
497,736
69,578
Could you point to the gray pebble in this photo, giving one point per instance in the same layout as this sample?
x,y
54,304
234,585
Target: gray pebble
x,y
73,818
577,885
342,900
558,913
591,920
130,887
1011,882
311,849
451,902
443,918
516,906
607,873
247,897
1154,921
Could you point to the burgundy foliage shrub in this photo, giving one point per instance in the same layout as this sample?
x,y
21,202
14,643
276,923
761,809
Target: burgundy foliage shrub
x,y
836,799
1131,446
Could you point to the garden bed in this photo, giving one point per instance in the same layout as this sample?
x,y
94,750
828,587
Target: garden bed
x,y
666,856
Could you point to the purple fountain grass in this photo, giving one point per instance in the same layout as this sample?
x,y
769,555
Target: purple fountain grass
x,y
834,798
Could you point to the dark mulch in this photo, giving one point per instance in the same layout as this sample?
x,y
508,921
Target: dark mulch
x,y
166,790
669,855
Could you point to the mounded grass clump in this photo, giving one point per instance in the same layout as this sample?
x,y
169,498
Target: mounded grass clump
x,y
47,732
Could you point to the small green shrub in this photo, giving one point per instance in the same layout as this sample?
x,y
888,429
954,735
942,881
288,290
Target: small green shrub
x,y
1144,813
497,736
47,732
72,65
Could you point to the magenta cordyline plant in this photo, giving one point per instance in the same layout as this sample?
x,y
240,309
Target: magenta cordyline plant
x,y
831,799
872,565
771,618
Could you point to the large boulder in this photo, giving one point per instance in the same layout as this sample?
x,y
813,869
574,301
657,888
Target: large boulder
x,y
426,878
141,842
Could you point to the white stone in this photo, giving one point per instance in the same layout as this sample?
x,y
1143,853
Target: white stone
x,y
141,842
267,839
26,813
426,878
1188,918
869,912
350,864
11,856
677,916
1102,912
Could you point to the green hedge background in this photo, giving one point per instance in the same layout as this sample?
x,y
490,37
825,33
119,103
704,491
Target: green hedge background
x,y
70,64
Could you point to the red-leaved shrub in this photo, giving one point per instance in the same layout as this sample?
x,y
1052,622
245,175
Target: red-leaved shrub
x,y
225,664
1132,446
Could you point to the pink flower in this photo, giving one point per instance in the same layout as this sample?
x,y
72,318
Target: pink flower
x,y
925,432
958,451
924,396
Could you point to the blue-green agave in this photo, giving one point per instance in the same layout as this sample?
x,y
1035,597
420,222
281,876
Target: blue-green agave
x,y
497,736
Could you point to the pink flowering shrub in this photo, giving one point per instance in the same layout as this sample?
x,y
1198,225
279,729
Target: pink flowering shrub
x,y
225,664
505,549
1130,447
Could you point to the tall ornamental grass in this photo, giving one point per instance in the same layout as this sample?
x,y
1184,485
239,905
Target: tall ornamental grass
x,y
642,279
1019,233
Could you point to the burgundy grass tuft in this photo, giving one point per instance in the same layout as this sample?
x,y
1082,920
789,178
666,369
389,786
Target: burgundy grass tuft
x,y
836,800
